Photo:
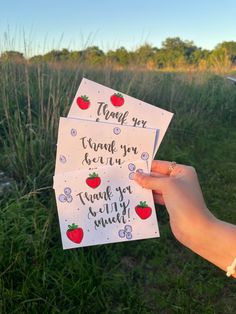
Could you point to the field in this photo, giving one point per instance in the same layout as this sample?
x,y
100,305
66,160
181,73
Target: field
x,y
149,276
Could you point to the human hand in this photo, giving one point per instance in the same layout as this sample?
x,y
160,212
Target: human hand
x,y
191,222
180,192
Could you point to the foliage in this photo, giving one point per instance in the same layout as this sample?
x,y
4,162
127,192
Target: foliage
x,y
150,276
11,55
175,54
230,48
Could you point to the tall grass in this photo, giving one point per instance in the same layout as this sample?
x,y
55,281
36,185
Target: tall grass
x,y
32,98
35,274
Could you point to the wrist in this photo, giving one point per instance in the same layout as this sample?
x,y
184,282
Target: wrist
x,y
193,233
214,240
201,237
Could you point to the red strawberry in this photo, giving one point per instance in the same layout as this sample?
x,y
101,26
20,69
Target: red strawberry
x,y
83,102
93,181
143,210
74,233
117,100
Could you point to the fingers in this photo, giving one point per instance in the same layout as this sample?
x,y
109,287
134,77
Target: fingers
x,y
150,182
157,175
161,166
168,168
158,199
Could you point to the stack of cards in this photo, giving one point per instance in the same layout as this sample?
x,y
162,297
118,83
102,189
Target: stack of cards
x,y
105,139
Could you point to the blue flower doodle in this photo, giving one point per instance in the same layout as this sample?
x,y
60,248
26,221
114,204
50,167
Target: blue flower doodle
x,y
73,132
144,156
66,197
116,131
132,168
62,159
126,232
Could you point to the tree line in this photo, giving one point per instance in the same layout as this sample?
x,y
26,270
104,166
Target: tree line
x,y
174,54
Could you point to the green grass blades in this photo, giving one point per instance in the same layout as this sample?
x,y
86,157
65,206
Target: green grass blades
x,y
149,276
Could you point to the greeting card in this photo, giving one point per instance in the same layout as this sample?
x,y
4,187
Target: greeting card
x,y
107,137
106,207
96,102
88,145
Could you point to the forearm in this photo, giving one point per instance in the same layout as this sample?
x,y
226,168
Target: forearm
x,y
191,222
215,241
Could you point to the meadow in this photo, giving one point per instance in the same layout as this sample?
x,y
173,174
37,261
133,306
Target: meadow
x,y
148,276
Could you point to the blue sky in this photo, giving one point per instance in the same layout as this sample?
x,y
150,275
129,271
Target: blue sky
x,y
76,24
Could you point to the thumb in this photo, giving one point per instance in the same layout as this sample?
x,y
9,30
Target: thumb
x,y
150,182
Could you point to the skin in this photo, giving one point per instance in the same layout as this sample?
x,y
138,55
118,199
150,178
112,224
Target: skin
x,y
191,221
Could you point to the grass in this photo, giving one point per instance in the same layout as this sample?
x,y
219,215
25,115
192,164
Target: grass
x,y
149,276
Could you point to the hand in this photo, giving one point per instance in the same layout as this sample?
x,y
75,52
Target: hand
x,y
180,192
191,221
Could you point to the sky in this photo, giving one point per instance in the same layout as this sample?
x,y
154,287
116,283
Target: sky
x,y
35,27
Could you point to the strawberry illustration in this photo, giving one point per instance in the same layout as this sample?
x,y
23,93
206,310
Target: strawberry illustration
x,y
143,210
74,233
117,100
93,181
83,102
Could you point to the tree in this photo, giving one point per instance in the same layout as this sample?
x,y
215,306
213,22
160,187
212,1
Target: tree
x,y
75,56
160,58
120,56
93,56
229,47
36,59
178,52
219,59
12,56
56,55
199,56
144,54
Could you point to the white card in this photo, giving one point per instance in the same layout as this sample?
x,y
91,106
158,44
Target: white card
x,y
108,208
96,102
88,145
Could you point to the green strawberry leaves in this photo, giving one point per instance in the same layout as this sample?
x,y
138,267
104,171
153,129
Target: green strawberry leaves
x,y
119,95
85,98
72,227
143,204
93,175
